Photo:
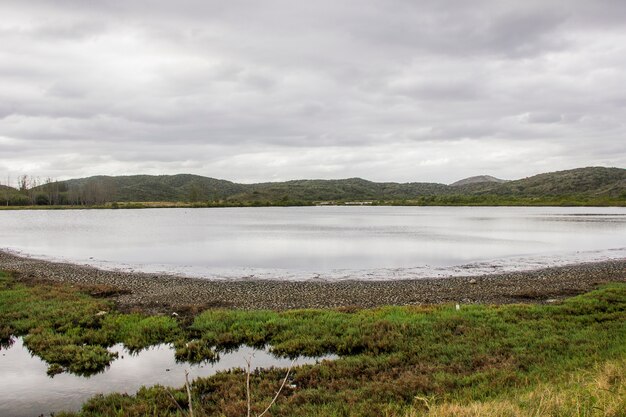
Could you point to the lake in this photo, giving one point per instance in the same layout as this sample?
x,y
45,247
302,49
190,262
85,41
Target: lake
x,y
333,243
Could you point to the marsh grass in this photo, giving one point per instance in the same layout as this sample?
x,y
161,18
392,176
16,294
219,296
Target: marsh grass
x,y
600,392
70,329
394,361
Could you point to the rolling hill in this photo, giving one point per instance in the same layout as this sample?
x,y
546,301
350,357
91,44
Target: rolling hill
x,y
181,187
477,180
582,183
593,181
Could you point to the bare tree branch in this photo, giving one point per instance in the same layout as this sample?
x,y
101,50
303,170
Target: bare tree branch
x,y
248,362
279,390
188,393
175,402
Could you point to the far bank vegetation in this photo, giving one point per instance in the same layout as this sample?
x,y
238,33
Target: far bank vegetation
x,y
596,186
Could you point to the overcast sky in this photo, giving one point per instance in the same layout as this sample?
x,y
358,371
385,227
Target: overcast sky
x,y
274,90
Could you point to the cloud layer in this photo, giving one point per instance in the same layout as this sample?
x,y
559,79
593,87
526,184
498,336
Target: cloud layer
x,y
274,90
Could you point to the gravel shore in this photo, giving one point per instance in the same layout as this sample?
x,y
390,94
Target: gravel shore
x,y
165,293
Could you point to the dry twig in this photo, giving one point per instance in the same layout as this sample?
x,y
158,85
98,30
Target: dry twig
x,y
175,402
248,362
188,393
248,372
279,390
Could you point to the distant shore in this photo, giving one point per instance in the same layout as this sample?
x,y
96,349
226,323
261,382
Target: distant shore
x,y
528,202
165,293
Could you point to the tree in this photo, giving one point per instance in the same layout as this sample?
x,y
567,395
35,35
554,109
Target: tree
x,y
5,192
23,183
51,189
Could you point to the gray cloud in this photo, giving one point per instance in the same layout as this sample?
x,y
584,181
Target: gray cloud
x,y
256,91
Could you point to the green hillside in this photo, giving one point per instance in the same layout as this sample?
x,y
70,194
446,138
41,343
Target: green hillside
x,y
584,186
479,179
593,181
182,187
336,190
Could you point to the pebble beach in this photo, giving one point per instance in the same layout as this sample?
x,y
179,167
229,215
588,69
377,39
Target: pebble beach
x,y
168,294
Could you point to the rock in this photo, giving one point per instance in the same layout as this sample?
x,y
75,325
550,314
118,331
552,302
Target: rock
x,y
472,281
101,313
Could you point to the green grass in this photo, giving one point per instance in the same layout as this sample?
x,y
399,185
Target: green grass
x,y
389,357
596,392
70,329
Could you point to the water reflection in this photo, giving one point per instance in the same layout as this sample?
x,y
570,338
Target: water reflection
x,y
307,242
26,390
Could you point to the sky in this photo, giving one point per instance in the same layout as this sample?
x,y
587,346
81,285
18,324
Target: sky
x,y
251,91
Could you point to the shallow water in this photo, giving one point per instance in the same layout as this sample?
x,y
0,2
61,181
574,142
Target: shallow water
x,y
299,243
26,390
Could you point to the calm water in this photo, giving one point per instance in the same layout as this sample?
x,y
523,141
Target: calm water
x,y
26,390
320,242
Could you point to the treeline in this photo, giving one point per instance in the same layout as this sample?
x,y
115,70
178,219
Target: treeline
x,y
32,191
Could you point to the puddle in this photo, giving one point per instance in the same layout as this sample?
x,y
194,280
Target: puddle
x,y
26,390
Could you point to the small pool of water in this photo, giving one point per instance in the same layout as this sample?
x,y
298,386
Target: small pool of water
x,y
27,391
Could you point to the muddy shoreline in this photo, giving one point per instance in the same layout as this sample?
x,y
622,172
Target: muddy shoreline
x,y
166,293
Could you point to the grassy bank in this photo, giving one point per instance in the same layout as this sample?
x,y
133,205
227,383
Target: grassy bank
x,y
395,361
599,391
430,201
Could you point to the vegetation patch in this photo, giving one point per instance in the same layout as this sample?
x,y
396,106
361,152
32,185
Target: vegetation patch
x,y
394,361
70,329
599,392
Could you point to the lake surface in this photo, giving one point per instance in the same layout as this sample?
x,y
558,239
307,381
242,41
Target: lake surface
x,y
26,390
300,243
